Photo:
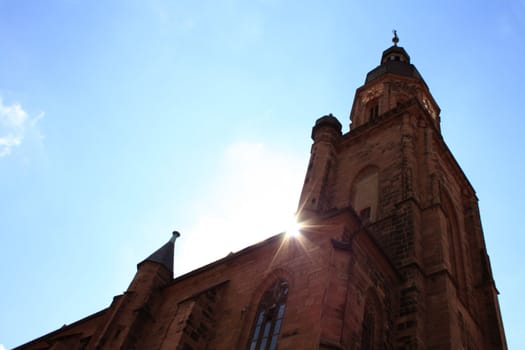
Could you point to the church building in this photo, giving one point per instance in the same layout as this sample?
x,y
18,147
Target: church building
x,y
391,253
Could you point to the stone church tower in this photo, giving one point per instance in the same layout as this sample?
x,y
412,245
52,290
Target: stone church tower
x,y
391,254
415,203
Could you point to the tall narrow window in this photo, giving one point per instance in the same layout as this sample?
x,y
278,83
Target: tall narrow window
x,y
373,110
269,317
372,324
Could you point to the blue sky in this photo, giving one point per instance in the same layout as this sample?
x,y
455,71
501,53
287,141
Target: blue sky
x,y
123,120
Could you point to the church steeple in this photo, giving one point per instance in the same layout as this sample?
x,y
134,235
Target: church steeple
x,y
394,173
393,84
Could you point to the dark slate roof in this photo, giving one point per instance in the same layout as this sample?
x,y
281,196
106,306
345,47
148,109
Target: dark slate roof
x,y
164,255
329,120
394,60
395,51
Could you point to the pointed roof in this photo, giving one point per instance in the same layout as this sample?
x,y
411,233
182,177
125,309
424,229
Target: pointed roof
x,y
164,255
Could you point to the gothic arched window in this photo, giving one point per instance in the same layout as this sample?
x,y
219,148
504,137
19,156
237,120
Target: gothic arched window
x,y
372,324
269,317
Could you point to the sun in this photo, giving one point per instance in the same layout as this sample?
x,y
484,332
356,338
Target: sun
x,y
293,228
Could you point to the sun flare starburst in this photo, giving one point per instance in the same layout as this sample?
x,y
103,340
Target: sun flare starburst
x,y
293,228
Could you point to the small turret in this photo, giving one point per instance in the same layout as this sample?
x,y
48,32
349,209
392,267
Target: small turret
x,y
326,134
131,311
326,128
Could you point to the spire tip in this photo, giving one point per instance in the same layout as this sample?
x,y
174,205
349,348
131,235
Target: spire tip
x,y
395,39
175,235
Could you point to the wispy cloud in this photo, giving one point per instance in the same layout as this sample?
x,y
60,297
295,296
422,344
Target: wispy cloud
x,y
2,347
15,123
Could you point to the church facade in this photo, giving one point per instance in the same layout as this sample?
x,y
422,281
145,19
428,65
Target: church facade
x,y
391,253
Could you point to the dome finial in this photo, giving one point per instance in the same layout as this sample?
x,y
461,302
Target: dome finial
x,y
395,39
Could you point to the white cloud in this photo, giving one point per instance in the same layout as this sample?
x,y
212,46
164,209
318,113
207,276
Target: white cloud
x,y
253,196
2,347
15,124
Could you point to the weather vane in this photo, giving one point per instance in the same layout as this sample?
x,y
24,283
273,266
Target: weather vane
x,y
395,39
